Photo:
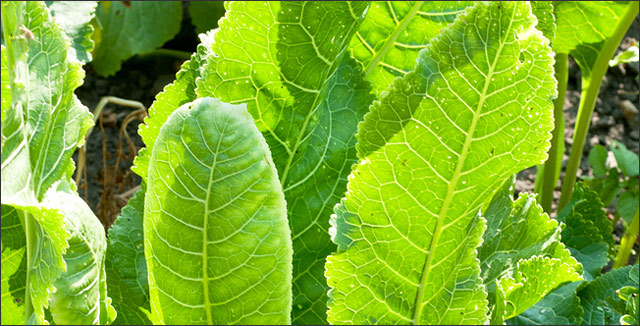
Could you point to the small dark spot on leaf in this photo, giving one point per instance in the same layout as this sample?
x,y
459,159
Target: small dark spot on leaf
x,y
499,6
17,300
126,3
117,12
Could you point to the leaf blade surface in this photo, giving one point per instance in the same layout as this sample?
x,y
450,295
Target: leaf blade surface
x,y
287,61
217,243
422,185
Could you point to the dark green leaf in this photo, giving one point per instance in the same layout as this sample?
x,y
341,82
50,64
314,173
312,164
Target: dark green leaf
x,y
126,267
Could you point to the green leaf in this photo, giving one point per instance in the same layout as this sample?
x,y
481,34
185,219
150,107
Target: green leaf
x,y
174,95
543,10
627,160
586,220
42,128
593,257
307,98
607,187
521,240
598,159
560,307
48,237
595,297
393,33
79,299
408,229
583,27
52,120
319,176
125,264
217,243
529,282
627,204
133,28
74,18
14,267
64,227
631,54
629,294
205,14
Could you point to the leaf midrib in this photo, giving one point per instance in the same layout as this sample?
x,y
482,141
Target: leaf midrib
x,y
451,187
205,241
312,110
389,42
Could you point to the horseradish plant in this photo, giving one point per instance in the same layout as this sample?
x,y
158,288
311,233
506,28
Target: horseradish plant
x,y
53,247
406,121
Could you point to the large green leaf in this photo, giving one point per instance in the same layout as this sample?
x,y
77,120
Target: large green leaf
x,y
40,131
74,18
130,28
520,242
79,298
217,243
51,119
393,33
597,295
287,61
476,109
126,267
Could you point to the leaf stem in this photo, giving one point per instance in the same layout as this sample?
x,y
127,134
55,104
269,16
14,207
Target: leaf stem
x,y
30,233
590,87
392,38
626,243
550,173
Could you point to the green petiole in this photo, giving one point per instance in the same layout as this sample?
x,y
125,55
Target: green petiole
x,y
626,243
551,166
590,87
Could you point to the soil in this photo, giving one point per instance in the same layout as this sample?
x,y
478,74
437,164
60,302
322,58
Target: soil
x,y
142,77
